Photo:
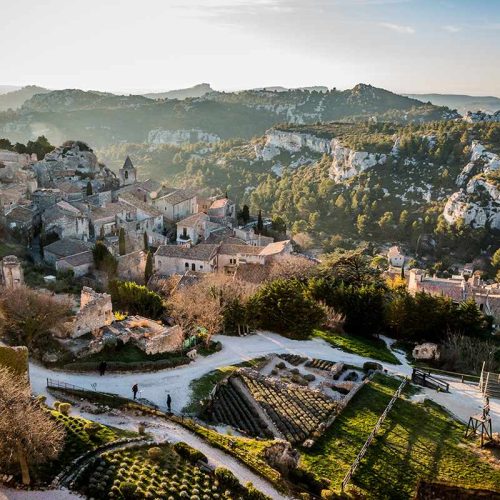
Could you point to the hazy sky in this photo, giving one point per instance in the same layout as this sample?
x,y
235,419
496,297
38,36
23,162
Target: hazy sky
x,y
404,45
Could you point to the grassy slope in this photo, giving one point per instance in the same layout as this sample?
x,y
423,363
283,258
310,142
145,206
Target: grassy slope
x,y
371,348
416,441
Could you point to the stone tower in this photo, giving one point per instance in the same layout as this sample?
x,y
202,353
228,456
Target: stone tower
x,y
12,272
128,173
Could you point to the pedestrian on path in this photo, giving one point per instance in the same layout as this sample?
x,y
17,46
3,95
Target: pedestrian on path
x,y
169,403
135,390
102,368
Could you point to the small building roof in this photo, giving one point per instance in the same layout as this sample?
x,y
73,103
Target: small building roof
x,y
79,259
20,214
235,249
131,199
275,248
198,252
178,196
193,220
220,203
128,165
67,247
394,251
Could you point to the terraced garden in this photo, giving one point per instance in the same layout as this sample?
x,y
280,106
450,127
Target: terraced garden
x,y
158,472
296,412
82,435
229,407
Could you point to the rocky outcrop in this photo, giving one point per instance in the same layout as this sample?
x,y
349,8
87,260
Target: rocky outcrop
x,y
73,161
478,200
480,116
181,136
347,163
293,142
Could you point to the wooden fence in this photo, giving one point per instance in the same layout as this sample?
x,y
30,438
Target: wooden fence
x,y
364,449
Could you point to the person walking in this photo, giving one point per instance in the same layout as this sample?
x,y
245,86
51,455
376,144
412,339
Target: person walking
x,y
135,390
169,403
100,368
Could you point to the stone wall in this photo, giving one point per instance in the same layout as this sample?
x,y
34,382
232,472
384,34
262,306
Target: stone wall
x,y
96,311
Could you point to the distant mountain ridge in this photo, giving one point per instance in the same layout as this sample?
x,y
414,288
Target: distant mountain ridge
x,y
181,94
16,98
461,102
103,118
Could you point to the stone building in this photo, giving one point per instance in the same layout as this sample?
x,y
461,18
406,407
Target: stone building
x,y
12,272
177,259
96,311
396,257
150,336
67,220
195,229
459,289
64,248
222,209
175,204
128,173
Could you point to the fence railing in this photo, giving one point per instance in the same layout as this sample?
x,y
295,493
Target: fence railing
x,y
422,377
489,383
56,384
365,447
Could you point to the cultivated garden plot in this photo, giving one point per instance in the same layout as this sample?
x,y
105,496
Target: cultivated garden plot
x,y
160,472
289,396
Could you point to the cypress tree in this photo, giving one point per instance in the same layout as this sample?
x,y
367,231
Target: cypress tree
x,y
148,271
260,223
121,242
90,191
146,242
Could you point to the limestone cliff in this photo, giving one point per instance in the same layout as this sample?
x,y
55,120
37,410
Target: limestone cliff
x,y
478,199
181,136
347,163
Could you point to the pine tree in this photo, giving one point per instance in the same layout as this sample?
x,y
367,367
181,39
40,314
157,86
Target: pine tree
x,y
121,242
148,271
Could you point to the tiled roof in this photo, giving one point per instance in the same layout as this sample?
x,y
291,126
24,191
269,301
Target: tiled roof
x,y
131,199
192,220
67,247
20,214
179,195
79,259
231,249
197,252
110,210
220,203
275,248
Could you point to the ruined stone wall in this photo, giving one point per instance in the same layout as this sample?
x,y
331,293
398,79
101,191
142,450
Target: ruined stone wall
x,y
96,311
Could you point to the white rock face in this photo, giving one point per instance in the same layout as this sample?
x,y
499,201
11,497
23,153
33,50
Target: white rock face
x,y
181,136
292,142
480,116
347,163
478,200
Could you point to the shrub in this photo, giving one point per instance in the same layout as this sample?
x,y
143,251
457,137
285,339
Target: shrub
x,y
328,494
155,454
128,490
189,453
226,477
252,493
371,365
64,408
91,428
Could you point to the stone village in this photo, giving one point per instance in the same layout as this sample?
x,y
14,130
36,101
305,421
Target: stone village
x,y
70,200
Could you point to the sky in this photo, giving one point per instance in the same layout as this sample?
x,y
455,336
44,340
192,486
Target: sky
x,y
443,46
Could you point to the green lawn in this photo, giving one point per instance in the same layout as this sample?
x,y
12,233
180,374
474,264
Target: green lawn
x,y
416,441
369,347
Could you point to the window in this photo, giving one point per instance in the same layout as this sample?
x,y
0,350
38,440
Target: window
x,y
193,266
186,265
126,174
201,267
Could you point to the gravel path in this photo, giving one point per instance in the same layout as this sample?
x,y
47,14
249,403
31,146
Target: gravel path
x,y
10,494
